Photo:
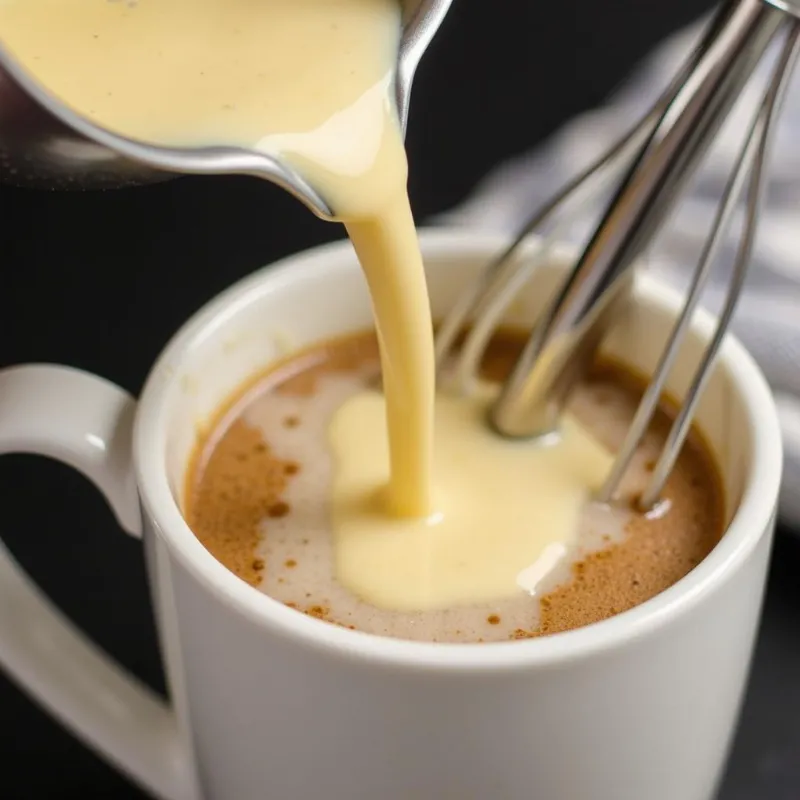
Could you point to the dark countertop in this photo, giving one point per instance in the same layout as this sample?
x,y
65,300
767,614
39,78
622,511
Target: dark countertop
x,y
101,282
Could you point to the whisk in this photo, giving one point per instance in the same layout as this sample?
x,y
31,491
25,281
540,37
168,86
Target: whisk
x,y
652,163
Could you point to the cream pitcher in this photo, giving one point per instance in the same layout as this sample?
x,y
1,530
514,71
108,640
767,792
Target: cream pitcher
x,y
47,145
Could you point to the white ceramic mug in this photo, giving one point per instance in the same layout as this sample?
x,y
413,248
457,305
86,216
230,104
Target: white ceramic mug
x,y
270,703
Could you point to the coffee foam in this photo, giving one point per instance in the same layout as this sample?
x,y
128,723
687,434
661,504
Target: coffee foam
x,y
620,558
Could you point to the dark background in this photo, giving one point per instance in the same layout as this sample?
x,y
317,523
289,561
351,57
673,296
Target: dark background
x,y
100,281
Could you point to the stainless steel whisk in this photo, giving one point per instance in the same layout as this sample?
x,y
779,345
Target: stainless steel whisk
x,y
656,158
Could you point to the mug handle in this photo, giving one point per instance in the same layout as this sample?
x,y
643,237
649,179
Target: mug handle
x,y
85,422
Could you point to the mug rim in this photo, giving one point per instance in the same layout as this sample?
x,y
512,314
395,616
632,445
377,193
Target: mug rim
x,y
751,519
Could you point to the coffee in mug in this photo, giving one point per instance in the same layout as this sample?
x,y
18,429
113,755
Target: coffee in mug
x,y
259,497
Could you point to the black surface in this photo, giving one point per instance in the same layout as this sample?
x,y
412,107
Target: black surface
x,y
101,281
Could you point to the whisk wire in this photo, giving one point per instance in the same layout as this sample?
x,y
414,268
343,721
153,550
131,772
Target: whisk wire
x,y
750,162
492,291
755,152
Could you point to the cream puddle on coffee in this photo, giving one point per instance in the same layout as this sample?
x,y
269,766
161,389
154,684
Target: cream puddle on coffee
x,y
421,519
502,508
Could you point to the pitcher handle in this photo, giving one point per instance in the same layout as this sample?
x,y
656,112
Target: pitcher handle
x,y
85,422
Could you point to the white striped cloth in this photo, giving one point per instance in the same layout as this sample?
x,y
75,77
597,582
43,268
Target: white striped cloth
x,y
768,315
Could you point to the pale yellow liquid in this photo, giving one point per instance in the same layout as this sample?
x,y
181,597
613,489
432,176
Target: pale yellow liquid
x,y
308,80
312,81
